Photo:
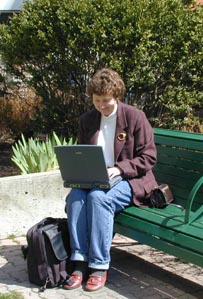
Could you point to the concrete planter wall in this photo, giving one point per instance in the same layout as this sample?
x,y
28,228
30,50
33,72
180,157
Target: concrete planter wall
x,y
27,199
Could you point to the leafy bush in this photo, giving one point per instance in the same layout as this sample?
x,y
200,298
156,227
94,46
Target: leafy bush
x,y
35,155
156,45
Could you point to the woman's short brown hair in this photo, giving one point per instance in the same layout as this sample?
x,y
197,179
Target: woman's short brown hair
x,y
106,82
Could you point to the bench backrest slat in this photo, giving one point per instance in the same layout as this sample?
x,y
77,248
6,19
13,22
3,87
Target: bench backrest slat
x,y
180,162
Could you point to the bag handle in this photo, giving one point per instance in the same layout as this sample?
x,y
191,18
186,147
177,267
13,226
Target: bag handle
x,y
56,241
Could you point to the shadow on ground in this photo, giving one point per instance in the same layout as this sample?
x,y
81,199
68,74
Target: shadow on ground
x,y
151,278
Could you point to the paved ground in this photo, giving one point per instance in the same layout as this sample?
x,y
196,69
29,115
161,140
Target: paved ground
x,y
137,272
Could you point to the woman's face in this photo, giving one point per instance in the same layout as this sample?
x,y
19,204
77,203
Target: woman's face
x,y
105,104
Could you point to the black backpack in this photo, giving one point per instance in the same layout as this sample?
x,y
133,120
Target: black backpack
x,y
47,252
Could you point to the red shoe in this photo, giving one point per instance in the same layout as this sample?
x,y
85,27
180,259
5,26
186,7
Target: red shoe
x,y
74,282
96,282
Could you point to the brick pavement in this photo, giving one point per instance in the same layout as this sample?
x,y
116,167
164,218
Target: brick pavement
x,y
137,272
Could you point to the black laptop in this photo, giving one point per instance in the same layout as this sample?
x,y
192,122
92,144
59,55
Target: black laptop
x,y
83,166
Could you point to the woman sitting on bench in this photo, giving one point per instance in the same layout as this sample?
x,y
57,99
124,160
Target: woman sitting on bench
x,y
129,150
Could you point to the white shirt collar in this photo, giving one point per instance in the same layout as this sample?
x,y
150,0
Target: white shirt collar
x,y
113,113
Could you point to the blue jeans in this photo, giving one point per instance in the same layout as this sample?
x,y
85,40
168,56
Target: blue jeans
x,y
90,221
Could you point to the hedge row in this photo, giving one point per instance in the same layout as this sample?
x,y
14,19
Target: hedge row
x,y
156,45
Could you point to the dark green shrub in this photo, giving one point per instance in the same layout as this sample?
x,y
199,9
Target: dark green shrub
x,y
156,46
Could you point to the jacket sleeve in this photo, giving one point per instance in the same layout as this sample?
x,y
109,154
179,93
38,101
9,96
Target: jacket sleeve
x,y
138,154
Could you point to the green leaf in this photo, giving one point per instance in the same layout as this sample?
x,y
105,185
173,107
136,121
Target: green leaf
x,y
37,156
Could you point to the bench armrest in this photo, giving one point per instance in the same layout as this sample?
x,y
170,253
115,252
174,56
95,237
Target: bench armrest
x,y
190,201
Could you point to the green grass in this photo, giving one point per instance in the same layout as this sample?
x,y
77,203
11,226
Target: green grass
x,y
11,237
11,295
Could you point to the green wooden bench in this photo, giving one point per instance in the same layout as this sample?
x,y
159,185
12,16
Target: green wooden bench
x,y
172,230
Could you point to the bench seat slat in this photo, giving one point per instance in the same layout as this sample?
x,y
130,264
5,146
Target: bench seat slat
x,y
153,241
167,217
175,233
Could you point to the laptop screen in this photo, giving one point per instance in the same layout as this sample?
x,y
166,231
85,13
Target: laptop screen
x,y
81,163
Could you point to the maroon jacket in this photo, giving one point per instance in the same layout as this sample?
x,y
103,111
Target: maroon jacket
x,y
135,151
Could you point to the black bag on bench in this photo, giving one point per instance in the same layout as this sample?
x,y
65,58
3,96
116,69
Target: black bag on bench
x,y
161,196
47,252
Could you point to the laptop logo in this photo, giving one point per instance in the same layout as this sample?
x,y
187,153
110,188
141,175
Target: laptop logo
x,y
74,185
